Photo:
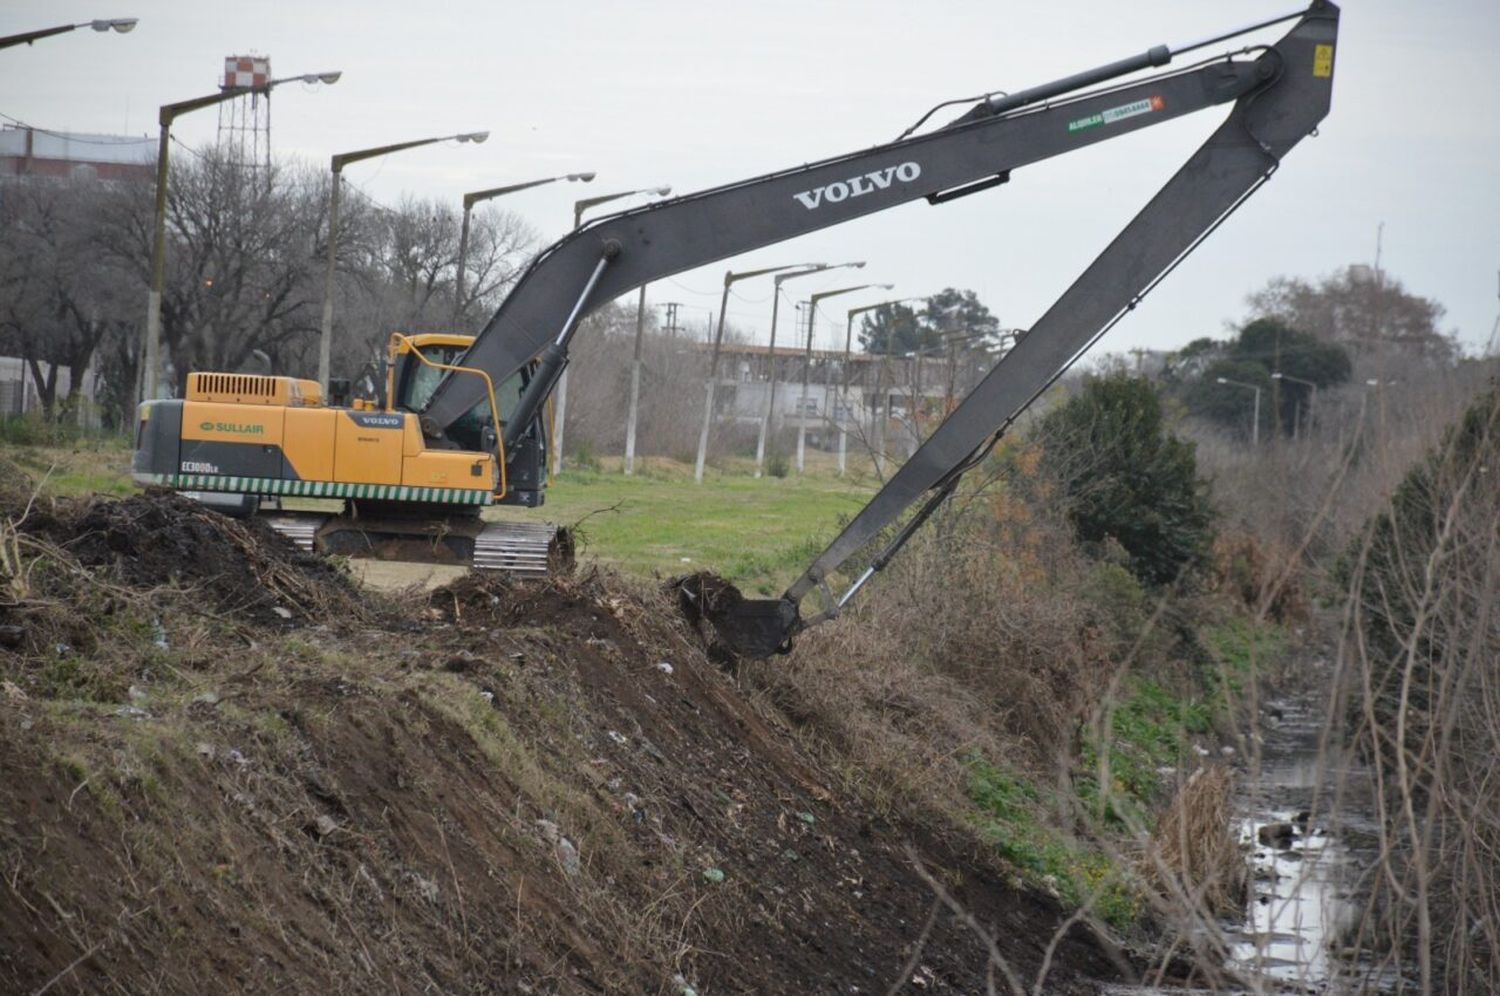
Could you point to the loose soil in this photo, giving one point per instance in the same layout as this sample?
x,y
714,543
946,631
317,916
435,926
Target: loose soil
x,y
226,767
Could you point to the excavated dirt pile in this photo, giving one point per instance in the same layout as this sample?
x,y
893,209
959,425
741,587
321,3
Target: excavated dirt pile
x,y
491,787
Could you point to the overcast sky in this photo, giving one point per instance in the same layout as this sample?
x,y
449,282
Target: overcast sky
x,y
695,94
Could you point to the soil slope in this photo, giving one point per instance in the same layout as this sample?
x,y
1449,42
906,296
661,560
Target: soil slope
x,y
223,767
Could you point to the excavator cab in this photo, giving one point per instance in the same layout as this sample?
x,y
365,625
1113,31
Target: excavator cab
x,y
411,380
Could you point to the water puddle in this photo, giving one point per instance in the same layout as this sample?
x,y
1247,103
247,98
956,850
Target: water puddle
x,y
1299,863
1296,907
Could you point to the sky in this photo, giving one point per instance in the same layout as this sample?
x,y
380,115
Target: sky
x,y
697,94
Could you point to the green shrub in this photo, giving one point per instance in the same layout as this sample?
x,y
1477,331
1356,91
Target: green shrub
x,y
1125,478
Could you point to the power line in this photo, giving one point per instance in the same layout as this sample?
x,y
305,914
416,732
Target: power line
x,y
74,138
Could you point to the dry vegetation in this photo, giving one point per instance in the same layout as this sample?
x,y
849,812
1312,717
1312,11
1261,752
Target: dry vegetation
x,y
1003,763
222,767
1419,698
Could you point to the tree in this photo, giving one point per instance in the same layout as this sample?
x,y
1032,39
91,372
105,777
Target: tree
x,y
1125,477
1262,347
893,329
1364,309
949,316
960,315
58,297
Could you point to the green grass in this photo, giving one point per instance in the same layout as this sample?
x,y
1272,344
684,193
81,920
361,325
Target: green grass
x,y
758,533
1150,729
94,466
1015,820
1241,650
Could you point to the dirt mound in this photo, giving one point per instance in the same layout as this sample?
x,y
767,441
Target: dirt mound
x,y
510,787
242,568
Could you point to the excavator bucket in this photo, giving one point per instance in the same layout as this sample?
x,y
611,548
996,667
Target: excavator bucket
x,y
751,627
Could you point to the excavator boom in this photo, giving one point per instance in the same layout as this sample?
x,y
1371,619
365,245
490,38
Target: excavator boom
x,y
1279,94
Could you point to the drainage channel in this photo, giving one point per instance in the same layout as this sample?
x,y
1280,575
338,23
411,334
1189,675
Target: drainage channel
x,y
1301,861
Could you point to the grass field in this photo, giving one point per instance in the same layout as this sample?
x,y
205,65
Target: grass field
x,y
658,522
758,533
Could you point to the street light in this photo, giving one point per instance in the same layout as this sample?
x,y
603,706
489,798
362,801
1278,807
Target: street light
x,y
483,195
581,206
1255,415
713,364
168,114
778,280
812,315
338,162
1312,399
880,382
122,25
560,405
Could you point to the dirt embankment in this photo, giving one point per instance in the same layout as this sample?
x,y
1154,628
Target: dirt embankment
x,y
225,768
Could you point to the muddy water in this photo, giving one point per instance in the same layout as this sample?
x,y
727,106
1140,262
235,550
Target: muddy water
x,y
1297,902
1298,892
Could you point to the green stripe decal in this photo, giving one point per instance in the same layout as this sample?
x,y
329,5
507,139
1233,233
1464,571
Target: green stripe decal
x,y
322,489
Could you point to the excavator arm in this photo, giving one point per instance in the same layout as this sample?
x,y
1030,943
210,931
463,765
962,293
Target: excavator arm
x,y
1279,93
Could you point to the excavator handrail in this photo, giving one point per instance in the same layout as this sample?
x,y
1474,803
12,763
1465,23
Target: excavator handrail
x,y
490,390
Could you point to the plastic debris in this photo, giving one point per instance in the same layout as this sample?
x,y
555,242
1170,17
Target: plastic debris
x,y
713,875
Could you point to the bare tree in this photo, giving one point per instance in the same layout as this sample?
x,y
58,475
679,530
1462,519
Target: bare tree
x,y
1365,308
59,297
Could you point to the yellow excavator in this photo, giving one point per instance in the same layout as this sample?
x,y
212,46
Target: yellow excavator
x,y
250,444
462,423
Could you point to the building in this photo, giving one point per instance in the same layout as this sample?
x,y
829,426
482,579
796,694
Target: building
x,y
31,152
898,386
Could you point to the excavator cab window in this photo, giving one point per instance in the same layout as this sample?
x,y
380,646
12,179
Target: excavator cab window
x,y
415,382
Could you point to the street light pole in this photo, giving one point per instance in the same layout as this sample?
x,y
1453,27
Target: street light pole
x,y
770,412
560,405
123,25
337,163
1312,398
812,315
844,385
1255,415
463,238
635,383
713,363
151,354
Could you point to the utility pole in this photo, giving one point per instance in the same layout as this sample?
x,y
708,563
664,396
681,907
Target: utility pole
x,y
635,383
672,328
718,340
560,395
770,412
804,406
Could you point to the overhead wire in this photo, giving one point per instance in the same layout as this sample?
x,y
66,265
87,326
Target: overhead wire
x,y
68,136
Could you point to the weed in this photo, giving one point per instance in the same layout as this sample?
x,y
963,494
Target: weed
x,y
583,457
1015,822
777,464
1150,730
1240,650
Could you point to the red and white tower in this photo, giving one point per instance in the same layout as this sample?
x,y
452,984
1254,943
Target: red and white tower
x,y
245,122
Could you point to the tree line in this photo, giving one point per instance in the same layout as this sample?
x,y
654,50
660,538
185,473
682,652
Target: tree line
x,y
246,251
